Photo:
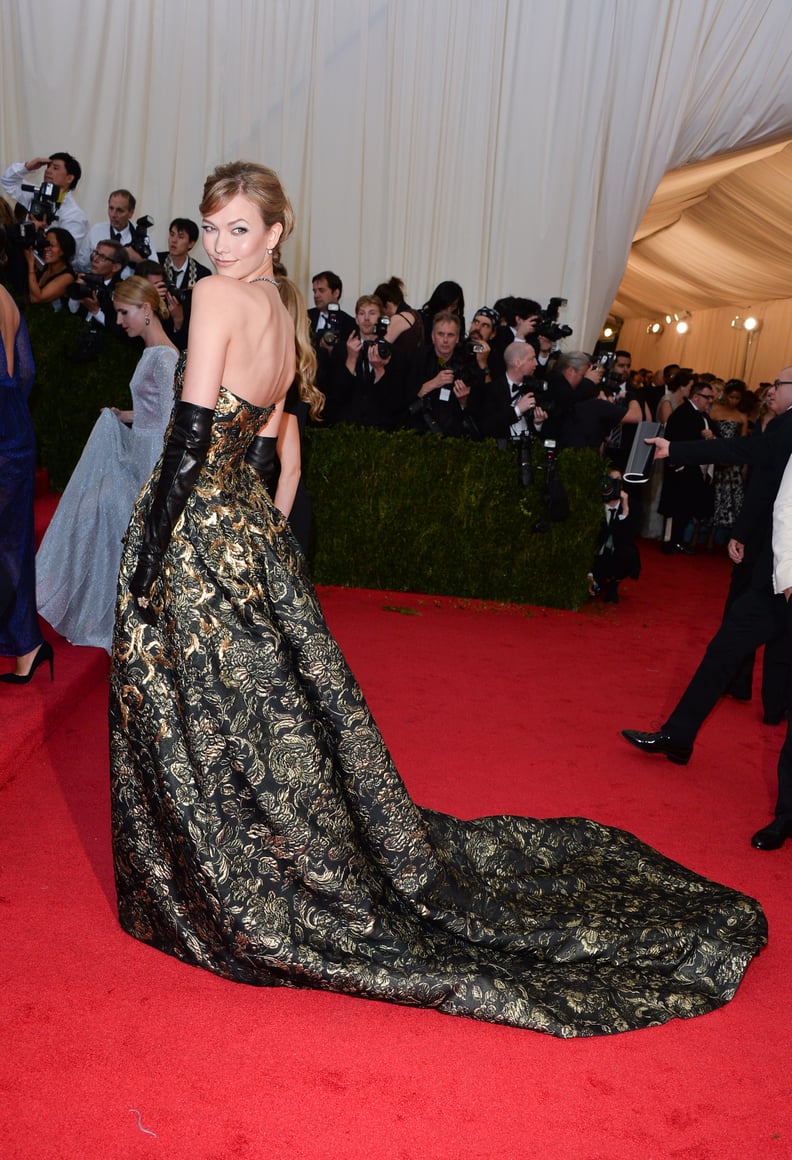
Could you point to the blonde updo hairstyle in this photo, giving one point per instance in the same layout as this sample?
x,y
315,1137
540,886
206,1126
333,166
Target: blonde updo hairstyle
x,y
305,374
259,185
137,291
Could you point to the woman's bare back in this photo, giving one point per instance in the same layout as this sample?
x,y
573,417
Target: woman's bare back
x,y
241,338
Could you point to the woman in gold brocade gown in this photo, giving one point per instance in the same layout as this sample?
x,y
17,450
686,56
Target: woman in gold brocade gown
x,y
260,829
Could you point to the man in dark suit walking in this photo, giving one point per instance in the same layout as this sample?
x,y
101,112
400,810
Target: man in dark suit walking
x,y
758,615
687,488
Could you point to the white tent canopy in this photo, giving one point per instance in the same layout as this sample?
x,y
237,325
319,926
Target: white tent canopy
x,y
512,146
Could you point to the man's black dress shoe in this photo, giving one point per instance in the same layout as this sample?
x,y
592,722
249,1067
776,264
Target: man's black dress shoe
x,y
772,837
658,743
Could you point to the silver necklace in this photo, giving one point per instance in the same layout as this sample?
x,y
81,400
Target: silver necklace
x,y
263,278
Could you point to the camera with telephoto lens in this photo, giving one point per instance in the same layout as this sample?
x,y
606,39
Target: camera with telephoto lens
x,y
547,324
44,204
89,286
140,242
610,488
525,474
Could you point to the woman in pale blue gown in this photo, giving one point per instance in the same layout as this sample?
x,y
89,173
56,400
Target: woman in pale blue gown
x,y
77,563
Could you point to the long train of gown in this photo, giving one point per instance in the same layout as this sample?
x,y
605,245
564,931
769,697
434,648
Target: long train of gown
x,y
19,628
77,563
261,830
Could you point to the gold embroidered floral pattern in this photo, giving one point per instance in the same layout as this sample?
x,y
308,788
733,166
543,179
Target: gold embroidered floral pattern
x,y
261,831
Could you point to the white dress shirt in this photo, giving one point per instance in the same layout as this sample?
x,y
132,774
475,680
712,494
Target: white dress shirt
x,y
70,216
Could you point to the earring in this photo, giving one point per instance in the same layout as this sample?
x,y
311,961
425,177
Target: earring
x,y
270,251
148,319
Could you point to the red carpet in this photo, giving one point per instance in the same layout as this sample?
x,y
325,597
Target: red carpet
x,y
111,1051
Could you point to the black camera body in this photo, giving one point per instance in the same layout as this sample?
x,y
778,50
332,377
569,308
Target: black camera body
x,y
91,286
384,348
610,489
181,294
332,331
44,204
140,241
542,392
27,235
547,324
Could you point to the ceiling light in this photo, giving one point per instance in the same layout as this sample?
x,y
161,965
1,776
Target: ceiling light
x,y
655,328
751,323
607,332
738,322
682,327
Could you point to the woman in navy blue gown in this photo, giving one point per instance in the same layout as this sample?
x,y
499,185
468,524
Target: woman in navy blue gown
x,y
20,635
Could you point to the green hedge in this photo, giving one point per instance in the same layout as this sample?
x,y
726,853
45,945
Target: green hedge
x,y
407,512
68,394
419,513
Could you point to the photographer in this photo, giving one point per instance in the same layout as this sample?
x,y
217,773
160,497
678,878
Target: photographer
x,y
366,392
118,227
581,416
505,408
91,296
50,275
616,555
54,199
180,272
444,381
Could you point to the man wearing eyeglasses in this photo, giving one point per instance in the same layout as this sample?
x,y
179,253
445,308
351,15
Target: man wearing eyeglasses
x,y
758,615
687,489
107,261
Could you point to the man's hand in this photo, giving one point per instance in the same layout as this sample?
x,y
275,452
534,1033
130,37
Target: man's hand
x,y
482,356
461,390
661,446
36,163
91,304
736,551
787,594
354,346
526,402
443,378
175,309
526,326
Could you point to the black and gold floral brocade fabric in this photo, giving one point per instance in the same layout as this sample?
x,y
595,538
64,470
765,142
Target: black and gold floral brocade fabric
x,y
261,830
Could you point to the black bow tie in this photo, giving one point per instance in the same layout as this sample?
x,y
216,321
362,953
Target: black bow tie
x,y
115,235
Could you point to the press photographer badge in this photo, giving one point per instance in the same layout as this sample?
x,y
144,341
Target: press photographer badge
x,y
445,394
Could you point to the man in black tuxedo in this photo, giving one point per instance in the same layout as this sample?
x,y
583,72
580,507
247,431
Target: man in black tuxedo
x,y
329,335
688,491
327,289
758,615
502,408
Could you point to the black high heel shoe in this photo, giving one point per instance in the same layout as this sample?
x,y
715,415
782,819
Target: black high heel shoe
x,y
44,654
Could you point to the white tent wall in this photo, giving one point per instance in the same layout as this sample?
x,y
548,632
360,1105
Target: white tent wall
x,y
512,146
712,344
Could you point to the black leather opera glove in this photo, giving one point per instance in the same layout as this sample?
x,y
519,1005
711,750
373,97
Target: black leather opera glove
x,y
261,455
182,460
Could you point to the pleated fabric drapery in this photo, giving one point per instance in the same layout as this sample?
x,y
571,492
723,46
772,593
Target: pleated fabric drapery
x,y
513,146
